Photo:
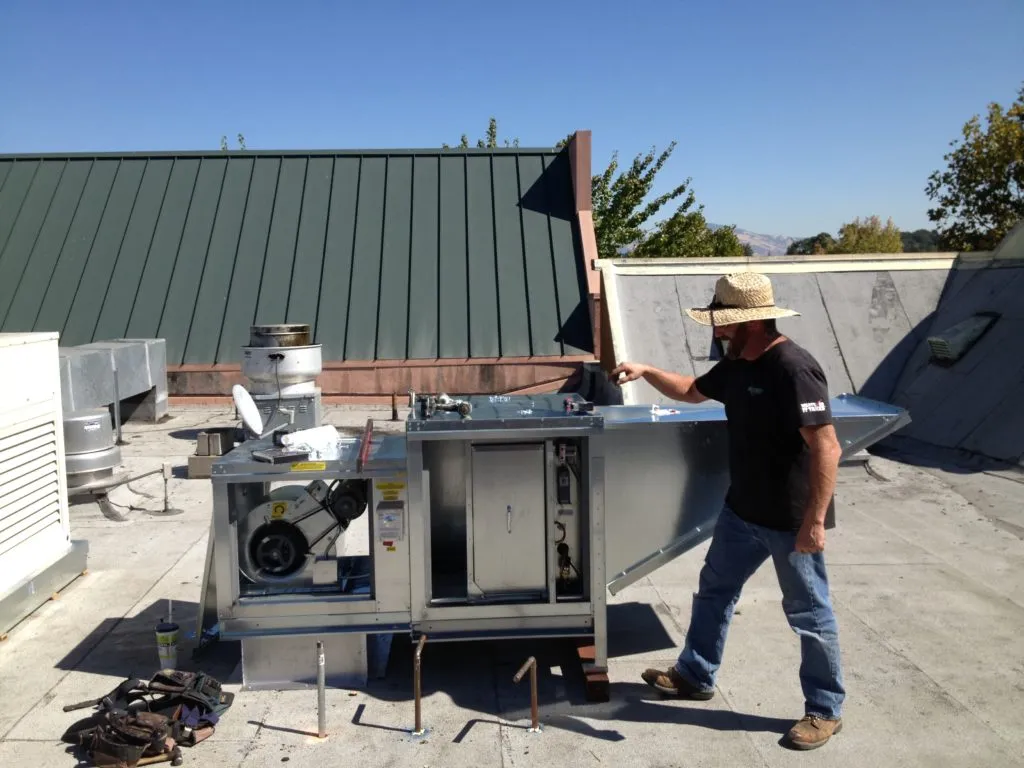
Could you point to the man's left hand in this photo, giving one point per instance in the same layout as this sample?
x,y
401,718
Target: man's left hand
x,y
811,538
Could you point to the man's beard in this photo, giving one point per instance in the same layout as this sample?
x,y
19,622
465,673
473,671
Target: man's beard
x,y
734,347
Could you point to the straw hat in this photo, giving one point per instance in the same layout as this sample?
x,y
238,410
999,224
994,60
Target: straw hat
x,y
740,298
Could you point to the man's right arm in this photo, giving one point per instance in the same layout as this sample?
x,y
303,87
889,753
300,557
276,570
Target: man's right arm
x,y
674,385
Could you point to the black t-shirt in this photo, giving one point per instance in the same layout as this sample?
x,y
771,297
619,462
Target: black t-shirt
x,y
766,402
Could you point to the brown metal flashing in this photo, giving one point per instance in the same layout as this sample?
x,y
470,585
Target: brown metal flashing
x,y
579,161
581,170
353,382
606,347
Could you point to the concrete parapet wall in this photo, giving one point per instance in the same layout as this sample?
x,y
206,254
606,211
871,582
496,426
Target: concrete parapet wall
x,y
866,318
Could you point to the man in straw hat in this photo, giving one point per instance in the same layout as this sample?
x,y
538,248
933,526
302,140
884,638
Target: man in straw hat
x,y
783,459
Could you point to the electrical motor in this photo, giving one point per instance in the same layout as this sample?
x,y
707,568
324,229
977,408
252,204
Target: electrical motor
x,y
281,537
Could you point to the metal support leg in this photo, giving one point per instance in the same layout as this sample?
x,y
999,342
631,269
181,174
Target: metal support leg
x,y
530,664
417,686
321,693
117,400
364,448
167,476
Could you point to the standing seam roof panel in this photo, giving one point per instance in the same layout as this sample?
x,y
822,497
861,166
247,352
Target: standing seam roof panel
x,y
361,338
37,270
64,279
304,288
388,255
423,260
484,329
513,301
119,298
541,293
187,270
393,284
332,316
208,317
13,196
27,228
84,309
248,267
452,278
151,295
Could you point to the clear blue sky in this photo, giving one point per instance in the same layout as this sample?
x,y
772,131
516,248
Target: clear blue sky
x,y
791,116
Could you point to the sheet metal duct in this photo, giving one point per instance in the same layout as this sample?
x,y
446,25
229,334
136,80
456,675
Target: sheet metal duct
x,y
99,374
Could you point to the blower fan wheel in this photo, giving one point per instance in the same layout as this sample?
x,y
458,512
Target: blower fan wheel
x,y
278,549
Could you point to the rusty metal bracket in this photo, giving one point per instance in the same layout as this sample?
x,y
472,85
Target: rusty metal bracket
x,y
531,665
364,449
417,685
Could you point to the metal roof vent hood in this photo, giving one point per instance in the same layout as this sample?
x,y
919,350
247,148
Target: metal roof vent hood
x,y
953,343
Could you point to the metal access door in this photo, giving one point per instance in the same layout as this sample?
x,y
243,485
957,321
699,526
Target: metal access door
x,y
506,512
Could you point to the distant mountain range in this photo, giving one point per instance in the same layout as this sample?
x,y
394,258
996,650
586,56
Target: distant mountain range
x,y
917,241
765,245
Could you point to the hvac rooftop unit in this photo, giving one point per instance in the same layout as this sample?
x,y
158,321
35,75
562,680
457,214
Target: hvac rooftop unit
x,y
37,556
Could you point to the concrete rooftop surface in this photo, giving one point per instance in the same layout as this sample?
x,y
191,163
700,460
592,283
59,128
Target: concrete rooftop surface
x,y
927,570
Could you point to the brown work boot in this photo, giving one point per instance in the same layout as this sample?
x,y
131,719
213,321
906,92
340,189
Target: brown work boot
x,y
671,683
812,732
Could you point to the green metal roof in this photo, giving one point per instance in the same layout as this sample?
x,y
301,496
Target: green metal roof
x,y
388,254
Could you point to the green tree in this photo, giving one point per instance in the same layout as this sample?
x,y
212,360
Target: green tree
x,y
823,242
869,236
920,241
980,194
622,217
623,211
858,236
489,142
224,142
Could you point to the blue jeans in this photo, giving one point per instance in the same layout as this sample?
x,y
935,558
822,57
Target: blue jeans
x,y
737,550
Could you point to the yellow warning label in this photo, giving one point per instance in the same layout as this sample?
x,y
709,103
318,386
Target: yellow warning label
x,y
278,510
390,485
390,495
391,549
309,466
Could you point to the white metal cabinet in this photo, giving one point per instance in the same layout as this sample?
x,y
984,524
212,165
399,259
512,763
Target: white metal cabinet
x,y
34,528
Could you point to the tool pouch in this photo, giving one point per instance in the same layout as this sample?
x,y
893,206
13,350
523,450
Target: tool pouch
x,y
118,739
194,690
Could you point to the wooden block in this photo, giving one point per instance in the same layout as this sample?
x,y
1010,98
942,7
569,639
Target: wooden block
x,y
586,651
220,443
595,679
200,466
596,686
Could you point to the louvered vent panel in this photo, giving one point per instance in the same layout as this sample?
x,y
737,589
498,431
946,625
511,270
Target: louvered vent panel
x,y
29,491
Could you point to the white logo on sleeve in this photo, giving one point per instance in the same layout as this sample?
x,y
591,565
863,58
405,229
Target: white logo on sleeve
x,y
812,407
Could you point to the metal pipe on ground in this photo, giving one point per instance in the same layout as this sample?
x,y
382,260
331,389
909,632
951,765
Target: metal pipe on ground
x,y
416,684
531,665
